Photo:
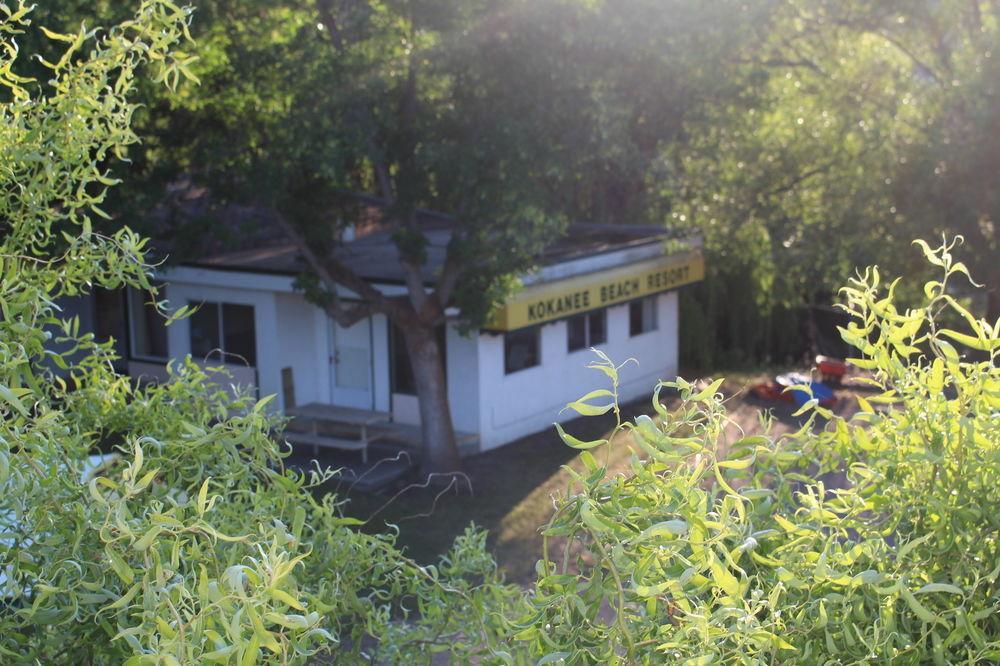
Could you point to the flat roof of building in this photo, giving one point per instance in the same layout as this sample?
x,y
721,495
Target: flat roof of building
x,y
258,245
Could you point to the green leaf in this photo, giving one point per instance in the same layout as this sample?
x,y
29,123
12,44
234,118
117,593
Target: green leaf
x,y
709,391
203,497
939,587
572,441
969,341
147,539
10,397
918,608
582,407
929,254
590,519
120,567
671,528
743,463
724,579
935,382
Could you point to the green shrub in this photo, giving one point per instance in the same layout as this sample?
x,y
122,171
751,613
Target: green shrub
x,y
874,539
195,545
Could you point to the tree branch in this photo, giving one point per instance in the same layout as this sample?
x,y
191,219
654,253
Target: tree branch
x,y
902,48
414,278
448,279
333,274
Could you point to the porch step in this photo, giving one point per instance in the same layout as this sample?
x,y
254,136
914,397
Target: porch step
x,y
299,425
412,437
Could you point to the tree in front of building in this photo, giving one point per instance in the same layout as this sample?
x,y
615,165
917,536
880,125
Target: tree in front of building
x,y
508,117
323,111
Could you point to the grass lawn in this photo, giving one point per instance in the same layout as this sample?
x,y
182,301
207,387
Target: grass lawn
x,y
512,487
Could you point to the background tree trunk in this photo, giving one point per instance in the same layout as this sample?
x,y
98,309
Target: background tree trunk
x,y
440,450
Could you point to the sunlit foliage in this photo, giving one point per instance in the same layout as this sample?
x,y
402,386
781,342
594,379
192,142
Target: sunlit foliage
x,y
870,539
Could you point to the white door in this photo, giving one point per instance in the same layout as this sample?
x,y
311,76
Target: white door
x,y
351,360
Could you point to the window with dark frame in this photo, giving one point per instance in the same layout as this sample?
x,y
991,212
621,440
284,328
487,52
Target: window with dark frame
x,y
147,327
587,330
521,349
111,320
642,316
223,332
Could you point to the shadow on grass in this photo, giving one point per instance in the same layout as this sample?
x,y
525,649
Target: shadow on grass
x,y
510,491
512,486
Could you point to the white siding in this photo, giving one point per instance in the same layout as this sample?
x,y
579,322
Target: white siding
x,y
463,379
527,401
380,359
301,347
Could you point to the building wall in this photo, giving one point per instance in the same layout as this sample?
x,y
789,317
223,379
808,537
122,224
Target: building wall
x,y
302,347
527,401
292,333
380,360
463,379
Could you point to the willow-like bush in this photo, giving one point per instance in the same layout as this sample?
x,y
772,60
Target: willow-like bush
x,y
195,545
871,539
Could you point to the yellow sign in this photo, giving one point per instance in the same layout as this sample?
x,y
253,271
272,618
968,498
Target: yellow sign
x,y
537,304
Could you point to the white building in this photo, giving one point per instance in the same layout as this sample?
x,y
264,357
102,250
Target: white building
x,y
611,287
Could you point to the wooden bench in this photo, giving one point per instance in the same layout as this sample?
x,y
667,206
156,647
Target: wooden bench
x,y
343,417
326,441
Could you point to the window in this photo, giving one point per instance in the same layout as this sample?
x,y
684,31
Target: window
x,y
587,330
110,321
147,327
402,379
223,331
520,350
642,316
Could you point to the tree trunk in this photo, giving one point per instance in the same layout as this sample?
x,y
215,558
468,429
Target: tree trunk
x,y
440,450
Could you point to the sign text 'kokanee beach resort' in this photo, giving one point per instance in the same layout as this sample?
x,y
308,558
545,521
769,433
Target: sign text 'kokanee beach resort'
x,y
565,298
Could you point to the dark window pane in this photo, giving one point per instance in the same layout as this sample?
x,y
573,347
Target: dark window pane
x,y
598,322
205,330
635,318
576,332
402,371
649,314
642,316
149,331
240,340
520,350
109,316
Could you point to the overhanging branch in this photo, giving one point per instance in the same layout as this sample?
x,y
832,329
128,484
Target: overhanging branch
x,y
333,274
